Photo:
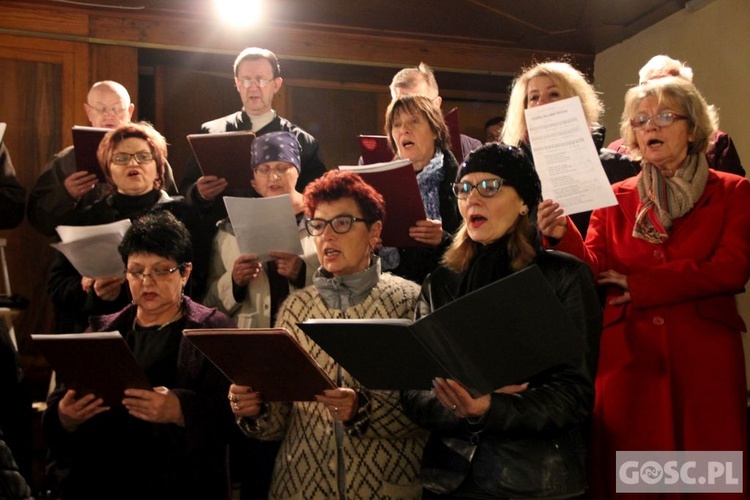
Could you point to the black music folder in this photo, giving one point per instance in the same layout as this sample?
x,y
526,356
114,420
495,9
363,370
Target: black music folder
x,y
86,142
503,333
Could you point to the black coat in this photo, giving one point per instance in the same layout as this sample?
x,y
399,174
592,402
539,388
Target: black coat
x,y
530,445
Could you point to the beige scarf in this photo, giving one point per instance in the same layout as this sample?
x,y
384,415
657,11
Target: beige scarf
x,y
664,199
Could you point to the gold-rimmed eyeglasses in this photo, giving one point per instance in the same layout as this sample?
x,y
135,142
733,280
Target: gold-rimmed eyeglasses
x,y
156,274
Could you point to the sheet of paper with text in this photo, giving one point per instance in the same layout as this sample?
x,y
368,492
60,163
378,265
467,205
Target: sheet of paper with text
x,y
566,158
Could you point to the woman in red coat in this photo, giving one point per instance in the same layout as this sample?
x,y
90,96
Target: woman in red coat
x,y
673,254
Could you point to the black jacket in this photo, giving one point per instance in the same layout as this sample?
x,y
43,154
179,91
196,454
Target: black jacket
x,y
312,166
530,445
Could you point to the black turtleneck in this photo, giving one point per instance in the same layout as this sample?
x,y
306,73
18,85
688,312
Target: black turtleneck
x,y
490,263
131,206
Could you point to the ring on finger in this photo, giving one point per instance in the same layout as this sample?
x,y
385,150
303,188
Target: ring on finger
x,y
236,406
232,397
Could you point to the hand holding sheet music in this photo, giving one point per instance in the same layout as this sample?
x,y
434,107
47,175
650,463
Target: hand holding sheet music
x,y
92,250
264,225
566,158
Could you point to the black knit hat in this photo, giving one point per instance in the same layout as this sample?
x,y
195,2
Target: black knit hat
x,y
510,164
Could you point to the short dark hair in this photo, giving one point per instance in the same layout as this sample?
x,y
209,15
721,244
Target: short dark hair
x,y
495,120
338,184
255,53
159,233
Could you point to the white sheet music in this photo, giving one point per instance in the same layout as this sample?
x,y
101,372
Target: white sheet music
x,y
93,249
262,225
566,158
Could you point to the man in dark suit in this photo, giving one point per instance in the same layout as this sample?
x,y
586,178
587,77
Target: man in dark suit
x,y
257,77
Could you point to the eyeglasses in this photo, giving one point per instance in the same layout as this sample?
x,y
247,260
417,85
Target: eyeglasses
x,y
124,158
265,170
487,188
663,119
155,274
114,110
259,82
340,224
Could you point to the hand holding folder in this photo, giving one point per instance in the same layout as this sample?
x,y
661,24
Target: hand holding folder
x,y
93,363
269,360
502,334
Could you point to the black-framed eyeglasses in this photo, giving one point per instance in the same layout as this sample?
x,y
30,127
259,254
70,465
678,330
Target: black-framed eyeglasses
x,y
259,82
155,274
487,188
663,119
340,224
124,158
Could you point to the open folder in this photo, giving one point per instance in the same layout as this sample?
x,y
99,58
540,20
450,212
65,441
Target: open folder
x,y
93,363
503,333
86,142
269,360
397,182
226,155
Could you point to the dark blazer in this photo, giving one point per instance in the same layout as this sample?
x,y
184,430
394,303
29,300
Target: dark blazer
x,y
311,164
529,445
106,453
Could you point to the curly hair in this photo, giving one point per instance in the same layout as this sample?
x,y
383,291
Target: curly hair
x,y
338,184
139,130
679,95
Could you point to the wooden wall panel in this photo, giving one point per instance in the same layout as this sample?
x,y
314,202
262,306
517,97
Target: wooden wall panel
x,y
44,84
118,63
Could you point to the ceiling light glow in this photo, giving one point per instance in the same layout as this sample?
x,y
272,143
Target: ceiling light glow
x,y
239,12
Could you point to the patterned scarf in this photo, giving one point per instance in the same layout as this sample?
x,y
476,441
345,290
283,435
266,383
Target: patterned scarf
x,y
429,179
664,199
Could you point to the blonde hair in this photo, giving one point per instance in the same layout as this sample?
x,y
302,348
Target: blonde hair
x,y
570,82
678,94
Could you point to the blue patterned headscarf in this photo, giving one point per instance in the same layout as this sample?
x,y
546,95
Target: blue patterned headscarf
x,y
275,146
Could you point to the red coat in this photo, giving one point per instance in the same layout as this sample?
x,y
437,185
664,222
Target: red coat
x,y
671,370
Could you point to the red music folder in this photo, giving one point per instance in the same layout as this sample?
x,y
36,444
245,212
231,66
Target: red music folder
x,y
226,155
374,149
93,363
86,141
269,360
397,182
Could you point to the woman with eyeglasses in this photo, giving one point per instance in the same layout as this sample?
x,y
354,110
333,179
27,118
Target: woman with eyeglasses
x,y
251,292
133,158
553,81
525,440
239,284
352,442
416,131
673,253
168,442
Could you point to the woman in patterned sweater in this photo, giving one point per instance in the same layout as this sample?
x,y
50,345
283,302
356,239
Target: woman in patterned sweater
x,y
351,442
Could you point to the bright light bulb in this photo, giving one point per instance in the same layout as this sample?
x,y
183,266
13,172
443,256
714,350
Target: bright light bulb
x,y
239,12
